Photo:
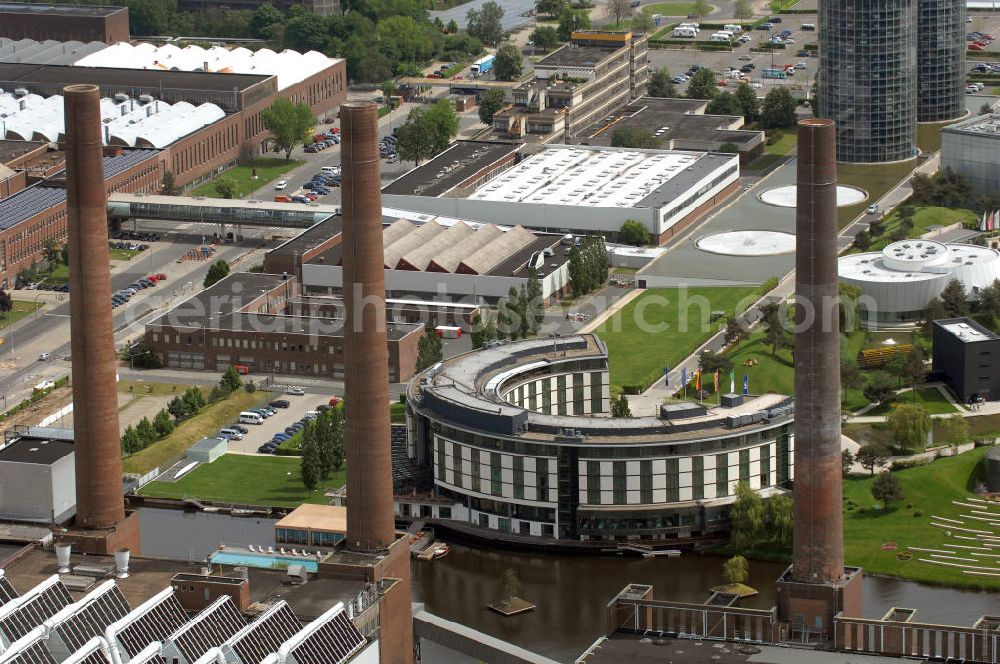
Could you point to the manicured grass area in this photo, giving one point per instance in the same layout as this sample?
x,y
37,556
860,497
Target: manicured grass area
x,y
151,389
208,422
20,309
268,169
397,412
923,218
245,479
663,326
930,490
57,275
776,372
876,179
123,254
670,8
929,398
776,151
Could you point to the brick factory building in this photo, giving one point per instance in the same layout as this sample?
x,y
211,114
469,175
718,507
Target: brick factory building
x,y
63,22
252,319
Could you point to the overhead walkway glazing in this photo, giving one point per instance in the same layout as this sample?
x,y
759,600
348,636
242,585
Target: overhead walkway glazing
x,y
235,212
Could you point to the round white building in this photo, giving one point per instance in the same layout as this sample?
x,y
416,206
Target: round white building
x,y
899,282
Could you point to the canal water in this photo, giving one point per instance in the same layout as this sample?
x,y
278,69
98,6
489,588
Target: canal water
x,y
571,592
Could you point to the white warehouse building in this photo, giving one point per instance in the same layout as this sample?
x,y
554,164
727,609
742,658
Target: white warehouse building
x,y
570,189
899,282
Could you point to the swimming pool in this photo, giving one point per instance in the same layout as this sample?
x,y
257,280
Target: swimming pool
x,y
265,561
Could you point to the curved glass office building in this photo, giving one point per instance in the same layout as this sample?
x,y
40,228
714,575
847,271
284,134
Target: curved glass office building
x,y
520,444
867,78
940,60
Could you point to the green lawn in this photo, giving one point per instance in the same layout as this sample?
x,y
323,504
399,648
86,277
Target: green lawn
x,y
776,151
923,218
268,169
250,480
663,326
57,275
208,422
670,8
930,398
930,490
20,309
122,254
776,372
876,179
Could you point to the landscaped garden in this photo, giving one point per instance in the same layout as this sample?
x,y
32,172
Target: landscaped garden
x,y
268,169
249,480
923,218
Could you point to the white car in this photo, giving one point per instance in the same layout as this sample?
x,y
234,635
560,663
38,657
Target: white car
x,y
872,209
295,391
801,65
45,357
968,19
281,185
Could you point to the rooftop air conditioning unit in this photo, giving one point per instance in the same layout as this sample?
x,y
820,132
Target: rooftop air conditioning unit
x,y
121,97
146,99
20,92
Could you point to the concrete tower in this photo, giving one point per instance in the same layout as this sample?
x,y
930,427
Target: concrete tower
x,y
370,523
100,504
817,585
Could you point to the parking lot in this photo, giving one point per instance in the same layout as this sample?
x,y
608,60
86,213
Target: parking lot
x,y
986,23
262,433
679,61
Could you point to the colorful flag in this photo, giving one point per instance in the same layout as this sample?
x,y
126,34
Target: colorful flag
x,y
732,382
990,220
746,383
716,380
982,224
697,380
684,377
666,376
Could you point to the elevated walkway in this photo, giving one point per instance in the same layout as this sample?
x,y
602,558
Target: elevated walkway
x,y
236,212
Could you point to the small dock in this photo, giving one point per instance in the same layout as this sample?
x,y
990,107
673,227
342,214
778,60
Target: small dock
x,y
512,606
647,551
432,550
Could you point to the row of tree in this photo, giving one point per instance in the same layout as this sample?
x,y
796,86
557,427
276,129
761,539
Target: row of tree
x,y
145,433
519,315
427,132
588,265
323,446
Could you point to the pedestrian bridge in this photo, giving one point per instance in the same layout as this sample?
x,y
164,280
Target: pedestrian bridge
x,y
235,212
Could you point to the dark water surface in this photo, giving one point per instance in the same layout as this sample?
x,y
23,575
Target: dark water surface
x,y
571,592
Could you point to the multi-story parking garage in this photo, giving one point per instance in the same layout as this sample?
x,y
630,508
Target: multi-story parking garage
x,y
520,441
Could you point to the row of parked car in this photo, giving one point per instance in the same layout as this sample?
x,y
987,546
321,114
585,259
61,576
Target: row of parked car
x,y
978,40
125,294
387,149
322,141
131,246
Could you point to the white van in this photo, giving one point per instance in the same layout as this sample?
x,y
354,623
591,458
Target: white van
x,y
733,28
230,434
809,27
687,33
720,37
330,170
250,418
696,26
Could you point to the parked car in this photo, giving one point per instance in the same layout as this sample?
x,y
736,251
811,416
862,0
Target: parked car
x,y
45,357
230,434
295,391
281,184
267,448
872,209
280,403
281,437
766,27
239,427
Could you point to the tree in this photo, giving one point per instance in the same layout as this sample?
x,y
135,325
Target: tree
x,y
775,334
660,84
630,137
429,348
225,186
749,104
724,104
736,570
620,407
619,10
846,461
442,124
887,488
507,64
130,441
876,227
146,432
913,369
702,85
709,361
989,299
50,252
545,36
169,186
491,103
778,109
849,295
163,424
414,142
871,456
746,518
484,23
735,332
910,425
263,21
642,22
230,379
64,254
780,517
862,240
338,438
550,8
850,376
452,27
510,584
742,9
249,387
289,124
880,390
955,430
570,21
955,299
534,302
216,272
935,311
484,329
178,408
304,33
309,465
150,17
634,233
701,8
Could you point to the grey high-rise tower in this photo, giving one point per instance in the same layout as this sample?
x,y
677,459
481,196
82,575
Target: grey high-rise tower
x,y
886,65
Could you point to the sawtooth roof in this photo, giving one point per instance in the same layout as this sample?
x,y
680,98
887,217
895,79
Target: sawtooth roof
x,y
490,255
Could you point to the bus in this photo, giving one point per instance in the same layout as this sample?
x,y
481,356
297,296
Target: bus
x,y
774,73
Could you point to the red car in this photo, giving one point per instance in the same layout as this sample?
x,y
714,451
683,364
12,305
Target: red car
x,y
976,47
161,276
334,401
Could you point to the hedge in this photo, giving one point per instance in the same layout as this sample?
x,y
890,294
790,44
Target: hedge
x,y
35,397
698,46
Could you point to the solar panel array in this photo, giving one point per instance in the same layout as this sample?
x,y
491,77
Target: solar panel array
x,y
266,634
26,203
33,609
334,641
214,625
156,623
159,630
90,620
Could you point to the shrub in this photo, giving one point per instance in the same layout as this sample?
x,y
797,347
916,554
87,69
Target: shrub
x,y
902,464
918,513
